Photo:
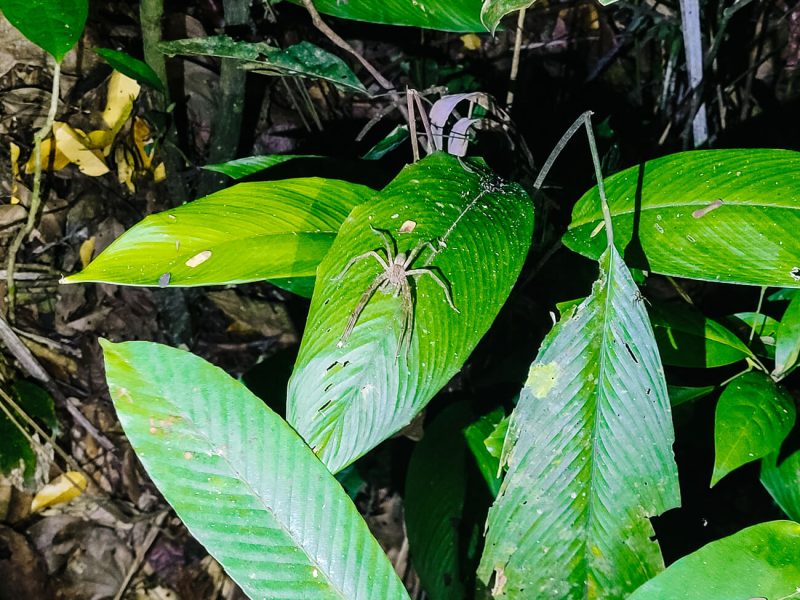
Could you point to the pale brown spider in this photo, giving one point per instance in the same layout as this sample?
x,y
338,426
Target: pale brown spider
x,y
393,280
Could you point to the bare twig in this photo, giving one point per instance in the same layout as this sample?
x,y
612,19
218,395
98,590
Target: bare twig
x,y
692,40
141,553
412,125
512,80
341,43
426,124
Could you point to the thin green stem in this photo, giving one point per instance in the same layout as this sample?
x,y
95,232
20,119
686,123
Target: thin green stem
x,y
36,193
758,311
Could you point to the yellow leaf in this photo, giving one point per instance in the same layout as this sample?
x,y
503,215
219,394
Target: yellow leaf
x,y
59,161
125,167
62,489
471,41
75,146
143,140
122,91
160,173
86,251
14,152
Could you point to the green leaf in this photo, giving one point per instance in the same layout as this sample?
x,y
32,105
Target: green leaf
x,y
783,482
15,450
242,481
495,440
753,417
762,561
393,139
763,329
301,59
243,167
787,340
345,398
275,230
53,25
479,435
687,338
590,456
493,11
783,295
681,395
717,215
445,15
436,487
36,402
131,67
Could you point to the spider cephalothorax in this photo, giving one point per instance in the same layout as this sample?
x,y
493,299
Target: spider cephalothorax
x,y
394,279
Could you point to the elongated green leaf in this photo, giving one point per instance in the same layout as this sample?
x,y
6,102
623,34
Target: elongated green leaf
x,y
480,436
445,15
302,59
276,230
53,25
242,167
787,340
243,482
395,138
590,456
346,396
436,489
131,67
782,481
762,561
718,215
753,418
760,329
686,338
681,395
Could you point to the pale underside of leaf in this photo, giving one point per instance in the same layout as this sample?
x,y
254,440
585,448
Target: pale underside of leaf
x,y
590,456
241,479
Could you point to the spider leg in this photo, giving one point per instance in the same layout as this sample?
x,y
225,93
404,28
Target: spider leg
x,y
416,251
407,308
388,243
362,304
360,257
438,280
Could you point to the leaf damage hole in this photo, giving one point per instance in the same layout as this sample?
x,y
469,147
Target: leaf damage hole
x,y
795,273
633,356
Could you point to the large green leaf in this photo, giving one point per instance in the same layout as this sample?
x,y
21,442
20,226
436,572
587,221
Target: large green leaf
x,y
242,481
718,215
300,59
131,67
787,339
590,456
753,417
345,398
436,490
276,230
762,561
53,25
446,15
782,481
687,338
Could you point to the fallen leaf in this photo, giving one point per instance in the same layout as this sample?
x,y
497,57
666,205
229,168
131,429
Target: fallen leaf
x,y
86,251
76,147
471,41
62,489
122,91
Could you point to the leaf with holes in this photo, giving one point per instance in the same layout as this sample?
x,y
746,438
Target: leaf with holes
x,y
53,25
782,481
589,454
301,59
762,561
348,395
275,230
753,417
717,215
242,481
445,15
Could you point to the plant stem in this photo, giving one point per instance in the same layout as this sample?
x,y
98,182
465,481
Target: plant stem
x,y
151,12
598,172
33,209
512,79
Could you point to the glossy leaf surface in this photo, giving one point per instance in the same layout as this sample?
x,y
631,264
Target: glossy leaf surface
x,y
493,11
53,25
452,15
243,167
131,67
782,481
589,454
242,481
718,215
753,418
681,395
345,398
762,561
787,339
481,440
275,230
301,59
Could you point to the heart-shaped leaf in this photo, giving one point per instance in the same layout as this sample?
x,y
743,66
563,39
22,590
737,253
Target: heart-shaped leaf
x,y
348,395
589,454
53,25
718,215
753,417
762,561
275,230
242,481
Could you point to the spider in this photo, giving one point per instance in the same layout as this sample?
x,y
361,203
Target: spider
x,y
393,280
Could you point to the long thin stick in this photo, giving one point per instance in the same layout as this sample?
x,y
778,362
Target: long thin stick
x,y
36,193
512,79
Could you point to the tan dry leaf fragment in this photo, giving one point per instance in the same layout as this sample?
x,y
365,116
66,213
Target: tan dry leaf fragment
x,y
62,489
